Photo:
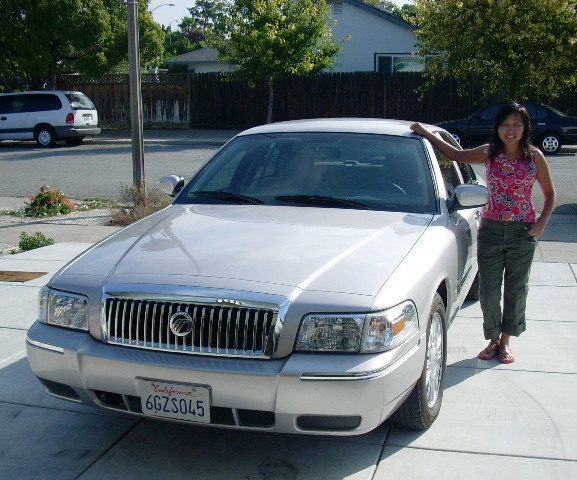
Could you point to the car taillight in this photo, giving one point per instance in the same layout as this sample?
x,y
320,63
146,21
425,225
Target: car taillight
x,y
70,118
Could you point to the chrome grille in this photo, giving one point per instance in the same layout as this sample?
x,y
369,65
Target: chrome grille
x,y
207,328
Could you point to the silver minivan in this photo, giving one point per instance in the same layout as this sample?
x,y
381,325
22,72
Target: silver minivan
x,y
47,117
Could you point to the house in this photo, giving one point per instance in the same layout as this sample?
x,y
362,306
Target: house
x,y
203,60
379,42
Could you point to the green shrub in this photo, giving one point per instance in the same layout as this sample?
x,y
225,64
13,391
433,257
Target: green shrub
x,y
30,242
48,203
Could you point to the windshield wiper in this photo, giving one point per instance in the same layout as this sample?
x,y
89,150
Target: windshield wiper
x,y
229,196
323,200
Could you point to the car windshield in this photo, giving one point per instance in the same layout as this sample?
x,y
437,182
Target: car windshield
x,y
328,169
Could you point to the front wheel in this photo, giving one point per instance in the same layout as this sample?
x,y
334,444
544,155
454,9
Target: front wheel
x,y
458,136
423,405
45,136
550,143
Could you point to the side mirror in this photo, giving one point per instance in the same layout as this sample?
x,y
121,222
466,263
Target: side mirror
x,y
171,184
468,196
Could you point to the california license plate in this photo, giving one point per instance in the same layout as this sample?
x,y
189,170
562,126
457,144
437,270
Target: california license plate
x,y
175,400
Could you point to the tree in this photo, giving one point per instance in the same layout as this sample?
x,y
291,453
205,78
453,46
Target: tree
x,y
275,39
407,12
515,49
46,37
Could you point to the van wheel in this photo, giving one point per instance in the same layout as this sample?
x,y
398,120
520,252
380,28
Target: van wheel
x,y
45,136
422,406
74,141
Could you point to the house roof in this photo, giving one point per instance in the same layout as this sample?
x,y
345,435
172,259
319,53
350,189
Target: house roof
x,y
207,54
379,13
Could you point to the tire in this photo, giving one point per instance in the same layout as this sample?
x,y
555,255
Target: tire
x,y
458,136
45,136
473,293
74,141
422,406
550,143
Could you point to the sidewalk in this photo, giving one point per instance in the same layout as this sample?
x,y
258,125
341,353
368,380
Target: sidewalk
x,y
517,421
514,421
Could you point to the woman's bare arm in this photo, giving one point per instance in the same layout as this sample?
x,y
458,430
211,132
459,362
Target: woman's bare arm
x,y
470,155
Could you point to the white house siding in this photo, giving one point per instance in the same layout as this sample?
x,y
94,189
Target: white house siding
x,y
370,34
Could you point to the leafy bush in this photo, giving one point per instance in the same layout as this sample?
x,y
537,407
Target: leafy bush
x,y
138,203
30,242
48,203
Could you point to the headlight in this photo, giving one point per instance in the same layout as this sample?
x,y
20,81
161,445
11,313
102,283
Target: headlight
x,y
363,333
63,309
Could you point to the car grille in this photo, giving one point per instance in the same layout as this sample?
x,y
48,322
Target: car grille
x,y
207,328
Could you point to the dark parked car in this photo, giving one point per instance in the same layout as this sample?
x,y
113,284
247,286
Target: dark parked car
x,y
550,128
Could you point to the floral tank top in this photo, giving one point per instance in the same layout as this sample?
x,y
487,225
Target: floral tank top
x,y
510,184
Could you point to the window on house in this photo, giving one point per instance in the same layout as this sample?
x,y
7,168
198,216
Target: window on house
x,y
394,63
337,7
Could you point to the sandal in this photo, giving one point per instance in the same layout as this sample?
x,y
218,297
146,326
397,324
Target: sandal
x,y
506,356
489,352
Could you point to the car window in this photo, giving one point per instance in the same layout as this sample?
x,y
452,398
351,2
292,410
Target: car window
x,y
535,111
449,169
378,172
42,102
12,104
5,105
78,101
489,113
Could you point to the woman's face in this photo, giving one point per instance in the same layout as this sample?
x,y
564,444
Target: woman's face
x,y
511,130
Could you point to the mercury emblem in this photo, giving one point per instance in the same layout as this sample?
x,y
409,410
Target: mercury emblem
x,y
181,324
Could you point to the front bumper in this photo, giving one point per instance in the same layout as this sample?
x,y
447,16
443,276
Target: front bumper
x,y
304,393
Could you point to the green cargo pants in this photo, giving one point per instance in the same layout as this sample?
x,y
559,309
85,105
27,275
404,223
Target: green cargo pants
x,y
505,252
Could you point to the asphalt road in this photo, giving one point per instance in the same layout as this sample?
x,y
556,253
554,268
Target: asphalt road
x,y
101,167
95,169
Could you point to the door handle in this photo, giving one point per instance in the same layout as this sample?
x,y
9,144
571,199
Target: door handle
x,y
3,118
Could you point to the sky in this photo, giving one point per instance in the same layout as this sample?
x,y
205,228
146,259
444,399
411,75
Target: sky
x,y
167,15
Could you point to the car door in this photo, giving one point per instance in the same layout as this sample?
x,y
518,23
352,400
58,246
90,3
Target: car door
x,y
13,114
480,129
538,118
463,223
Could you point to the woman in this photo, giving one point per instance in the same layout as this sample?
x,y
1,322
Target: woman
x,y
509,226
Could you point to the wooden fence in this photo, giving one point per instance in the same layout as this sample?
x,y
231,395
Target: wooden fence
x,y
206,100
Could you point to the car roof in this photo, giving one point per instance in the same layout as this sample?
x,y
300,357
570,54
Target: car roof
x,y
343,125
41,91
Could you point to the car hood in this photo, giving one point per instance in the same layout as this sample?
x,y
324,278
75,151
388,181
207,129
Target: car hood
x,y
323,249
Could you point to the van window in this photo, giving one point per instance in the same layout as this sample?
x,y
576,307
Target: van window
x,y
12,104
79,101
42,102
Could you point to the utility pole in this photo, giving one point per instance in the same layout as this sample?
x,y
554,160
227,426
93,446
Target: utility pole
x,y
135,94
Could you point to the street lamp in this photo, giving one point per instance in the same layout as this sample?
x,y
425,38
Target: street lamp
x,y
163,5
170,31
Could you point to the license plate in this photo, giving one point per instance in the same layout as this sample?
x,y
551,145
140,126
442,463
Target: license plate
x,y
175,400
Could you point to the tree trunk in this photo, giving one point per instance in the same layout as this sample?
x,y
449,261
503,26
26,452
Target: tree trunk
x,y
270,102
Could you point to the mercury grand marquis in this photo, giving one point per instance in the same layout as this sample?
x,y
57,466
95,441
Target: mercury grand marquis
x,y
302,281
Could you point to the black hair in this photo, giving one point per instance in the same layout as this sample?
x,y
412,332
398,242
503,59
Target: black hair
x,y
495,142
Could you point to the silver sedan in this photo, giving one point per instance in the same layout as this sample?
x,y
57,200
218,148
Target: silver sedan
x,y
302,281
